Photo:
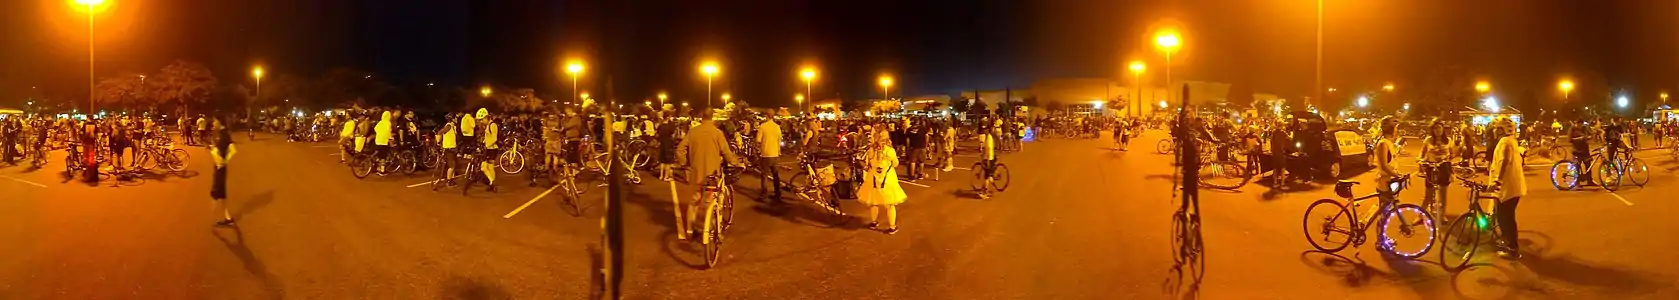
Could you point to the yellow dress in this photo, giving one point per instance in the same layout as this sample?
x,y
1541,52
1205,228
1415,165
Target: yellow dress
x,y
881,188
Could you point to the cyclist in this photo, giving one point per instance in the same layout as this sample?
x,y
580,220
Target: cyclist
x,y
769,143
1435,161
1612,142
988,145
468,129
344,139
446,136
1580,140
550,144
487,154
382,138
705,150
1386,172
1506,174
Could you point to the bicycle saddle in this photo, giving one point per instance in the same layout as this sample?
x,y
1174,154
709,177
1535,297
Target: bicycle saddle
x,y
1344,188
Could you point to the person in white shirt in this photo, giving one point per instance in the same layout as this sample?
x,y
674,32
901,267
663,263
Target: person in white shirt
x,y
769,140
1506,175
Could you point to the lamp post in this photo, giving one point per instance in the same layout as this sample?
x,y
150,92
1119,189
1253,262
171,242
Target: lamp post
x,y
710,70
1168,42
1568,86
1137,68
885,87
808,74
92,8
250,121
575,69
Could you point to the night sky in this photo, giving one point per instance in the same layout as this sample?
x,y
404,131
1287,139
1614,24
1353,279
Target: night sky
x,y
932,47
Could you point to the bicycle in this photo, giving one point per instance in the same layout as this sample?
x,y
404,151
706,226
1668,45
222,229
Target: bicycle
x,y
1630,167
511,161
1224,174
1355,226
1565,174
999,179
815,185
1464,234
1166,146
153,156
719,215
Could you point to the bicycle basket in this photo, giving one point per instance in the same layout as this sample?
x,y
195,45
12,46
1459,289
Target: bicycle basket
x,y
825,176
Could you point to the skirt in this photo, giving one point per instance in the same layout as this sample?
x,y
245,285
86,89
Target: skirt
x,y
218,185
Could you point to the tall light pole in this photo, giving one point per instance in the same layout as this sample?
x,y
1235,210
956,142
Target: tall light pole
x,y
885,87
574,69
1137,68
250,121
92,8
800,99
1317,77
710,69
1568,86
808,74
1168,42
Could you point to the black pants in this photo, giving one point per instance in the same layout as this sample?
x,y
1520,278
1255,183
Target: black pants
x,y
914,162
1506,211
770,179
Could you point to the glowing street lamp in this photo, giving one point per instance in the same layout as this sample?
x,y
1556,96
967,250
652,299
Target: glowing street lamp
x,y
250,131
92,8
1363,101
1168,42
1483,86
1388,87
662,97
484,91
1137,67
885,87
710,69
1622,101
574,68
1664,97
726,98
1566,86
808,74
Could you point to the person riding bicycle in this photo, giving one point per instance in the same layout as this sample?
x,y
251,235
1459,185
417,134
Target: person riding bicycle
x,y
345,138
382,138
988,147
1612,142
704,151
1579,139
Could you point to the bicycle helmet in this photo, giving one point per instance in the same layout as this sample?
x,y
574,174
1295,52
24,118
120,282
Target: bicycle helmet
x,y
483,113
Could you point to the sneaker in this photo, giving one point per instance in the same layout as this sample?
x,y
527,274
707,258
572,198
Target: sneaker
x,y
225,223
890,231
874,225
1509,254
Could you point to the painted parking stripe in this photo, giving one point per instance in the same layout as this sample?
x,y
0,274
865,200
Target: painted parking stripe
x,y
528,203
1623,199
24,181
912,183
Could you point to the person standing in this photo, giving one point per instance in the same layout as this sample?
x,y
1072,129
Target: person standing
x,y
487,154
1435,161
446,136
917,138
769,141
881,189
1506,174
203,134
345,139
705,151
467,127
221,151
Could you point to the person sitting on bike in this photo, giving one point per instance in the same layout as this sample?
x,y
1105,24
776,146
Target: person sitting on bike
x,y
382,138
1505,171
345,139
1612,142
1579,139
1435,160
704,151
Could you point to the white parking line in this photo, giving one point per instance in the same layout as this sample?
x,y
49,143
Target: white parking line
x,y
24,181
912,183
323,146
1623,200
420,184
528,203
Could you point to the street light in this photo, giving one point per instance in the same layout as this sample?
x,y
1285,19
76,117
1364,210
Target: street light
x,y
1137,68
92,8
1664,97
1566,86
1388,87
1622,101
484,91
808,74
885,87
1167,41
662,97
574,68
1363,101
250,131
1483,86
710,69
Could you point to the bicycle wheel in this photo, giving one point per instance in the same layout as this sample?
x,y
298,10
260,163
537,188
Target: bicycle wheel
x,y
1223,175
1000,177
639,156
1565,175
361,166
1637,171
1461,238
178,160
728,207
428,158
1332,223
147,160
511,162
406,162
713,238
1609,176
1163,147
1414,225
568,199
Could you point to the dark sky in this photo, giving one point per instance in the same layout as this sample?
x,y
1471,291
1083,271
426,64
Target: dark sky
x,y
930,46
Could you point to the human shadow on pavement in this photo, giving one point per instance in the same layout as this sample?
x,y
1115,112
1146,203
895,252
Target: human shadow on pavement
x,y
1353,272
1609,281
806,213
1484,280
251,264
257,202
464,288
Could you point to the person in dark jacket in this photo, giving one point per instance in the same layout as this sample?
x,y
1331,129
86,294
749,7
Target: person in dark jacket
x,y
221,151
916,136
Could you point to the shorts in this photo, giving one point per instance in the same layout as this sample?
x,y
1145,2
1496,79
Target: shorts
x,y
218,187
